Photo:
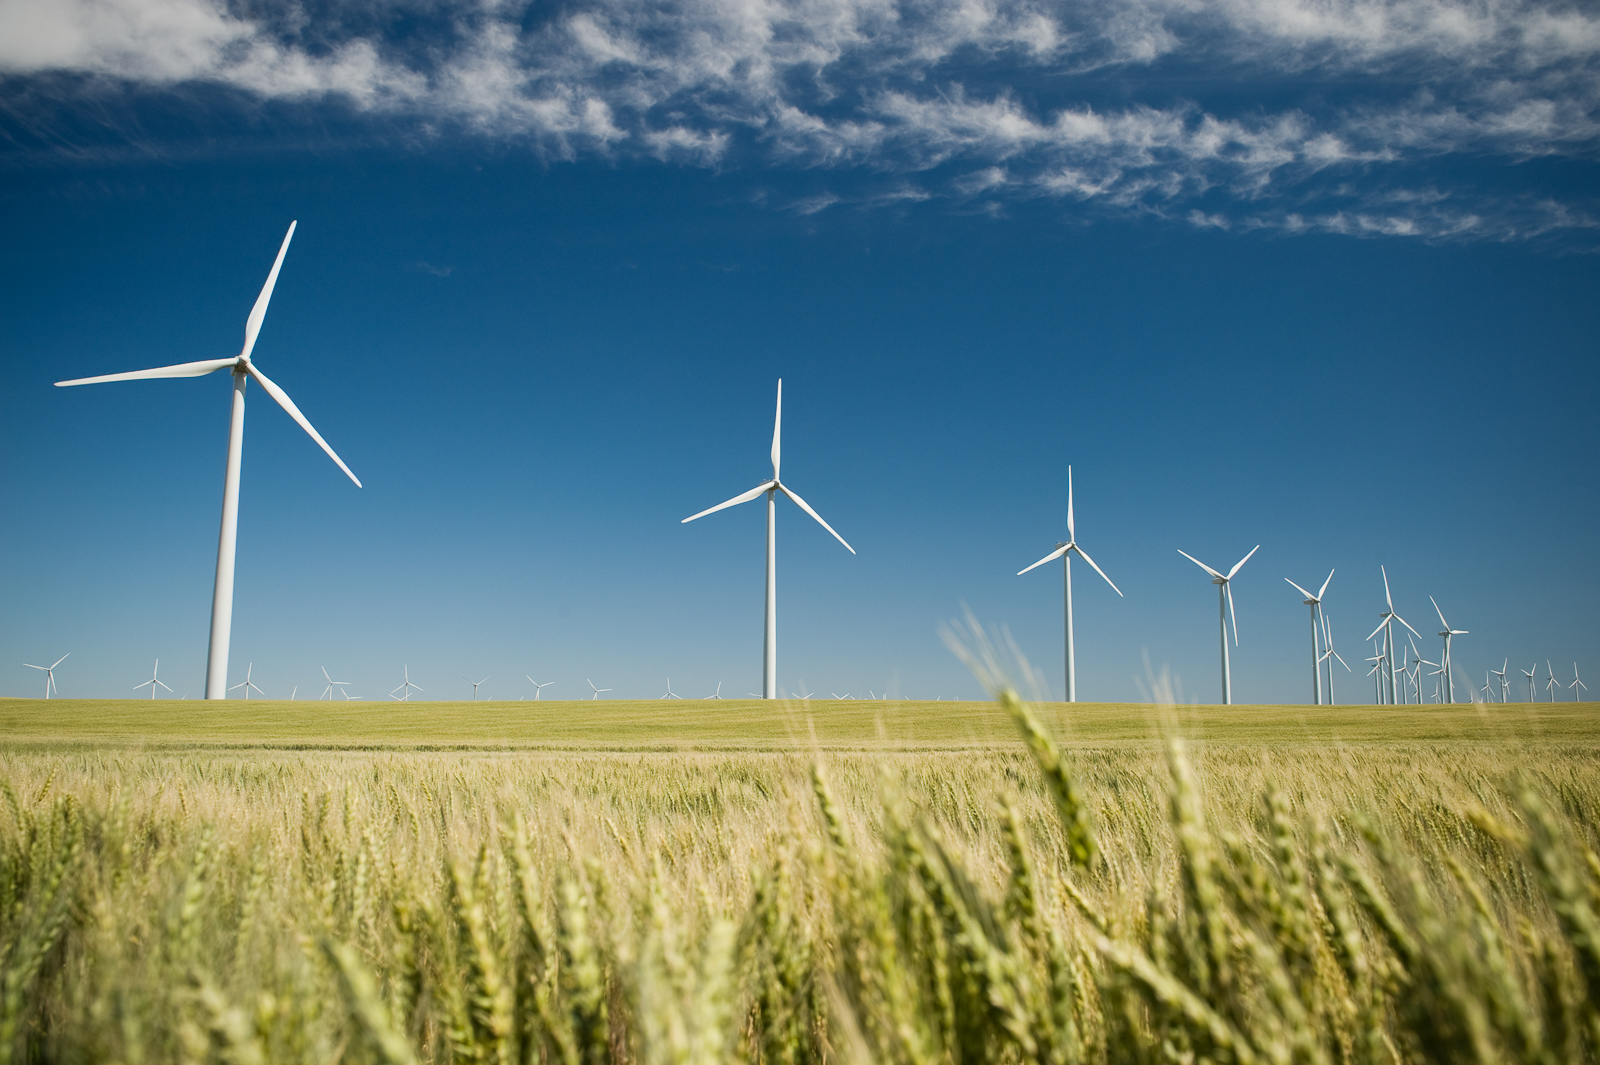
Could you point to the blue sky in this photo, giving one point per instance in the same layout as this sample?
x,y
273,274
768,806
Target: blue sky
x,y
1319,277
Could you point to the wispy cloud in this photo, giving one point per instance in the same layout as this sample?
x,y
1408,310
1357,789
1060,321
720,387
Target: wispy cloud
x,y
1330,115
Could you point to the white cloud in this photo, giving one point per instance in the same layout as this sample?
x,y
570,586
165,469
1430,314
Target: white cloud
x,y
1004,91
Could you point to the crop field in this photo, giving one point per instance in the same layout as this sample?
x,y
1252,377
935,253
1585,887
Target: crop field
x,y
701,882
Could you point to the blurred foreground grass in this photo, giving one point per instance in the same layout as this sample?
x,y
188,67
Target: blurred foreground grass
x,y
1424,889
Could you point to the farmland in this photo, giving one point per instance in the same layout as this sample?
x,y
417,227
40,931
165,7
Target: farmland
x,y
709,882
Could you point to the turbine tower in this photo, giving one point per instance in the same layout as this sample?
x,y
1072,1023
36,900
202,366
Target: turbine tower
x,y
1444,664
243,369
1315,603
50,674
769,658
1224,612
152,682
1064,553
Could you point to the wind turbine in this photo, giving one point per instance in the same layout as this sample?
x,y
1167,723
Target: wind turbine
x,y
807,695
1447,632
1224,612
1505,685
1386,626
670,693
769,658
718,694
404,688
1576,684
1315,603
1551,685
474,684
327,693
247,684
1064,552
1377,661
1485,689
1329,652
243,369
537,687
597,691
152,682
50,673
1529,673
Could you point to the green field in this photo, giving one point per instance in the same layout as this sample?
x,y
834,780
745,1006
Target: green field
x,y
755,724
697,883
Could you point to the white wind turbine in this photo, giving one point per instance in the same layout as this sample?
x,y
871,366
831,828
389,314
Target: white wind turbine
x,y
152,682
1444,664
670,693
1505,685
537,687
1386,626
50,674
1576,684
718,693
327,693
769,658
1224,612
405,686
243,369
597,691
1329,655
474,684
1064,553
247,684
1529,673
1315,603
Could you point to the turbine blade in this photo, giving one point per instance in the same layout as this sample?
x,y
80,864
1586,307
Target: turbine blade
x,y
1407,624
803,505
1301,590
777,431
294,412
60,660
1379,629
1325,584
1084,555
1240,564
743,497
163,684
1436,610
1197,562
1233,617
1386,596
252,325
1051,557
181,369
1071,534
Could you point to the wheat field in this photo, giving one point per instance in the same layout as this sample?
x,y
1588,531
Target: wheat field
x,y
1010,900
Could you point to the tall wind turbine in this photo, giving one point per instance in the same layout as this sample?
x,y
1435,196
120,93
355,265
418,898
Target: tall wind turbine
x,y
1529,673
327,693
152,682
1447,632
243,369
1386,626
1551,685
1224,612
537,687
474,684
1576,684
1329,655
1315,603
597,691
1505,685
1064,553
769,657
50,673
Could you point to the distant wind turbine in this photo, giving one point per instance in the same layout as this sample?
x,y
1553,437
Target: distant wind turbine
x,y
797,695
1224,613
327,693
670,693
1576,684
769,658
1386,626
1448,633
474,684
718,693
1315,603
152,682
1329,653
405,686
243,369
537,687
1552,685
1064,552
597,691
1505,685
50,673
247,684
1529,673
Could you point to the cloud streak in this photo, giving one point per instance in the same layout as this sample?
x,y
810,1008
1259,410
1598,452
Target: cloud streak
x,y
1352,116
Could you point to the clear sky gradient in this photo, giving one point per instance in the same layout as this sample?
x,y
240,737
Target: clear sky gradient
x,y
1258,278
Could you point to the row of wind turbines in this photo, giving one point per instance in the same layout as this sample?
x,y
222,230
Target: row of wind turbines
x,y
243,370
